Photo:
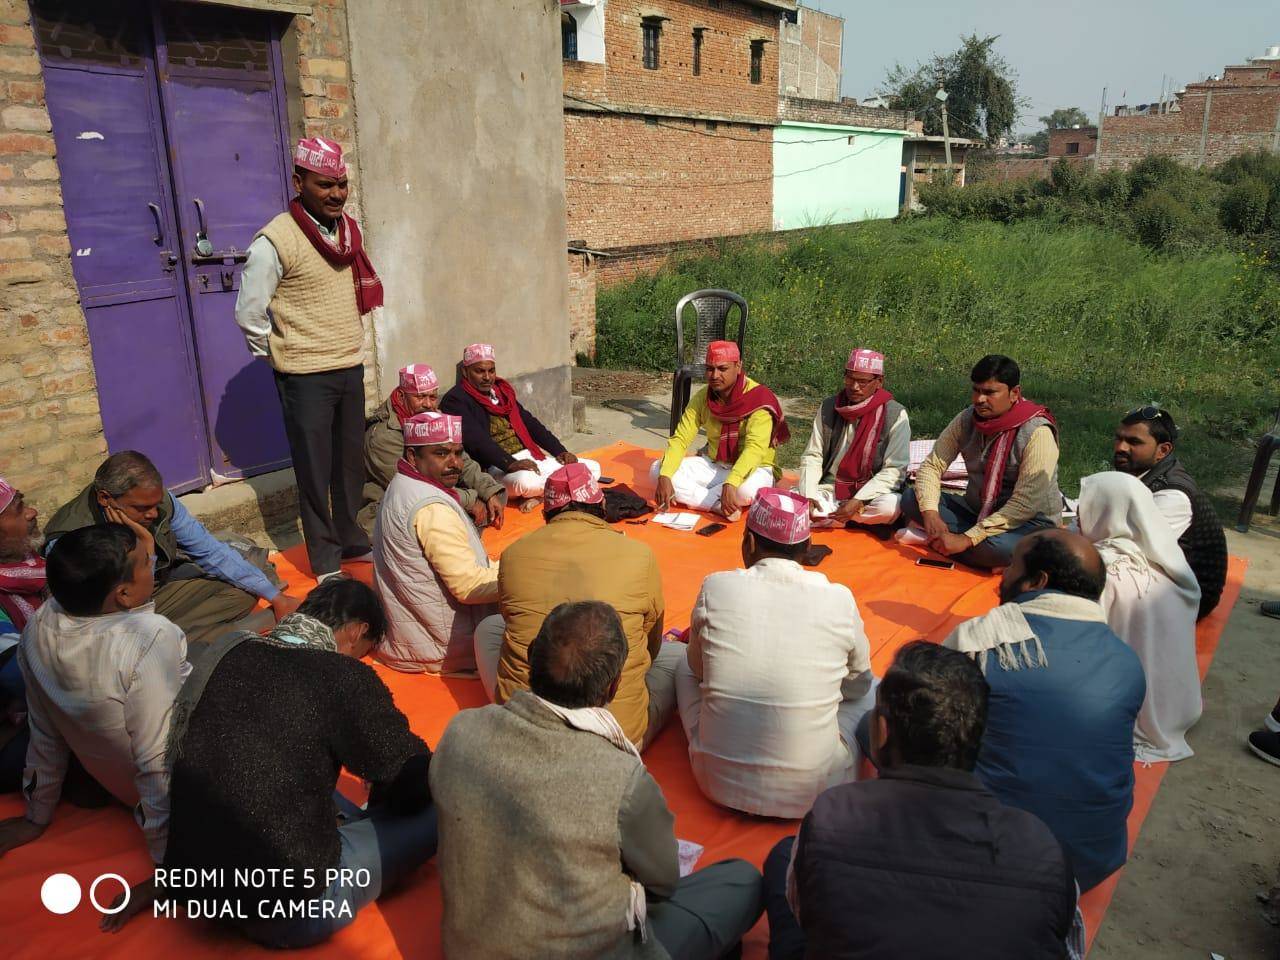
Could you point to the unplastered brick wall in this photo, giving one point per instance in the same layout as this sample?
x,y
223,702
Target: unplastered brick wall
x,y
636,180
723,87
846,111
50,428
809,55
582,304
1243,116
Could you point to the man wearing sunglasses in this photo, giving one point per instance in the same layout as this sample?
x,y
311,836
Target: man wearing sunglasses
x,y
1144,444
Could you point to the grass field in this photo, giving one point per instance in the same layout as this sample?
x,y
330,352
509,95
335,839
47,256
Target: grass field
x,y
1098,323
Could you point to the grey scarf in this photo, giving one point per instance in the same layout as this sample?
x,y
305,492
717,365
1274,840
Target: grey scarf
x,y
297,630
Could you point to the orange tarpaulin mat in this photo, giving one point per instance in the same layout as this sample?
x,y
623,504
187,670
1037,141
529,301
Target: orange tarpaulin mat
x,y
898,600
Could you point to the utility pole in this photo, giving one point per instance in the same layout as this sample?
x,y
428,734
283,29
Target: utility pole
x,y
1097,144
946,132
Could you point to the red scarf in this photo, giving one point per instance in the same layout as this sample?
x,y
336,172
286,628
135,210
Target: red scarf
x,y
408,469
349,252
857,465
22,589
506,405
399,406
740,405
1004,428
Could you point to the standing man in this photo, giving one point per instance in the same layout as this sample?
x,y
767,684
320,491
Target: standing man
x,y
1010,446
744,426
419,392
499,433
305,287
1144,448
856,463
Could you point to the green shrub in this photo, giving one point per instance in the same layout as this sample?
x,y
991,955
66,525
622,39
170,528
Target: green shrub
x,y
1244,206
1161,220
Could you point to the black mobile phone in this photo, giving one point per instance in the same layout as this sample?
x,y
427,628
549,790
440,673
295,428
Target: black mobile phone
x,y
816,553
711,528
605,480
940,564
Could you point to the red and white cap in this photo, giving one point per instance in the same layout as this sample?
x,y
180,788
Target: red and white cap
x,y
572,483
866,361
319,155
7,493
418,378
723,351
428,429
477,353
779,515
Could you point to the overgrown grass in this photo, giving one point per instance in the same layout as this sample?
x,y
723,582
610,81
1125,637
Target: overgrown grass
x,y
1098,322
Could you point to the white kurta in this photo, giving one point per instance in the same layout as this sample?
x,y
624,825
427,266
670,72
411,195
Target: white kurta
x,y
1151,600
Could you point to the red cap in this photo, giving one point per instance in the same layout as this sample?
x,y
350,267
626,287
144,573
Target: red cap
x,y
723,351
572,483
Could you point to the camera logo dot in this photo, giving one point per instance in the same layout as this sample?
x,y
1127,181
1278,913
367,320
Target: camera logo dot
x,y
60,893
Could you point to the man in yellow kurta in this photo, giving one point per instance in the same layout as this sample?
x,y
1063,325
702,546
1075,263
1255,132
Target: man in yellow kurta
x,y
744,425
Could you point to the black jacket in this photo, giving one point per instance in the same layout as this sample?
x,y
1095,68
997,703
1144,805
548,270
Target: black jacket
x,y
477,441
925,863
1203,544
254,784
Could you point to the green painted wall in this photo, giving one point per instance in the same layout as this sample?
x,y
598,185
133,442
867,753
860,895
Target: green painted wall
x,y
857,181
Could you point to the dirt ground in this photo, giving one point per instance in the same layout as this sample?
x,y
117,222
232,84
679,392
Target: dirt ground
x,y
1210,848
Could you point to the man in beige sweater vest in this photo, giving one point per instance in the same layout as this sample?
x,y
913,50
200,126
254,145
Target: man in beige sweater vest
x,y
305,286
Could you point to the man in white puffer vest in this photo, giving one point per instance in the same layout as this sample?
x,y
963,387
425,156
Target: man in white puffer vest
x,y
430,567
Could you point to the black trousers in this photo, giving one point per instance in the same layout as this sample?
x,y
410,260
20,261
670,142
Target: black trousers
x,y
324,421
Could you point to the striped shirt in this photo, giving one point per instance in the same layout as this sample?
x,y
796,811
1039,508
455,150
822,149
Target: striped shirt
x,y
102,688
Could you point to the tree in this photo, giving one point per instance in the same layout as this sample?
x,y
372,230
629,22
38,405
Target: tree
x,y
1059,119
982,100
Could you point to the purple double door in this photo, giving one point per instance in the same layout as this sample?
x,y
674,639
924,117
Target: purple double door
x,y
169,120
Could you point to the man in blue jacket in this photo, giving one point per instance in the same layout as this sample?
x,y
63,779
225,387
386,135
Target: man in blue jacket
x,y
1065,692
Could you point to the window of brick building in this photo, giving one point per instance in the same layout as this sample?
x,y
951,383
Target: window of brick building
x,y
757,60
1073,147
568,37
652,28
697,50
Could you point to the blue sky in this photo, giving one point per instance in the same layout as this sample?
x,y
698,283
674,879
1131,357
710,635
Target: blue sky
x,y
1064,53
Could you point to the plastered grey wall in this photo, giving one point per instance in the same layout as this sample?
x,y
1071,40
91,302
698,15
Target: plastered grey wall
x,y
460,135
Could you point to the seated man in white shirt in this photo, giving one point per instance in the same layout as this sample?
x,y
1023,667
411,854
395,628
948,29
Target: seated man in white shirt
x,y
855,466
101,671
778,672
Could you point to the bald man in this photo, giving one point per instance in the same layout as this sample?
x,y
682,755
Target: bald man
x,y
1065,692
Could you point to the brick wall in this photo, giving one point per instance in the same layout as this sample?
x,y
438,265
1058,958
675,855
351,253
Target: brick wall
x,y
809,55
846,111
50,428
630,182
1242,117
722,89
51,436
1086,139
582,304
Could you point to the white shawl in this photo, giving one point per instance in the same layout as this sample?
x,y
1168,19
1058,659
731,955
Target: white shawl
x,y
1006,631
1151,600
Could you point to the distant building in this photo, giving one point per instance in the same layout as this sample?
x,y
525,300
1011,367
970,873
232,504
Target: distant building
x,y
924,160
1208,122
1074,141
